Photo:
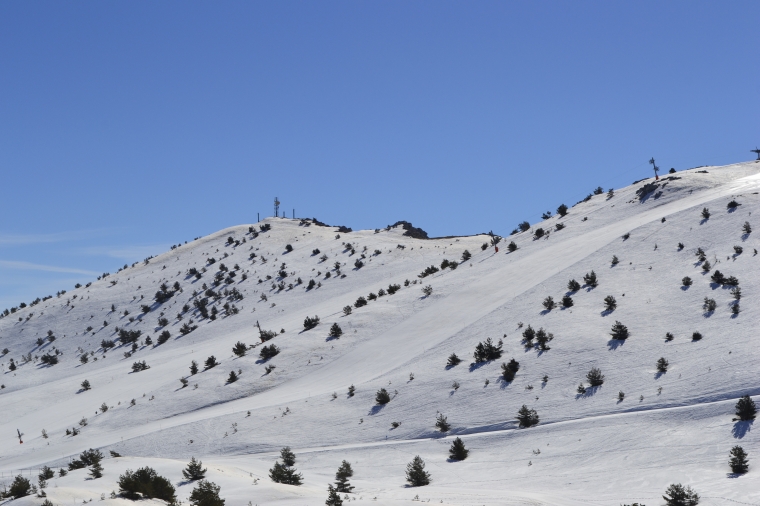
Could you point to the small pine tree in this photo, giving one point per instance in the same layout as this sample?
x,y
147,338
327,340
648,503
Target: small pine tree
x,y
610,304
287,456
705,213
686,281
351,391
678,495
511,247
614,260
335,330
466,256
333,497
527,417
562,210
573,285
581,389
211,362
96,470
567,301
206,493
286,475
341,478
595,377
619,331
441,423
738,460
382,397
416,475
746,409
457,451
549,303
239,349
86,385
590,279
194,470
662,365
347,310
453,360
233,377
747,228
193,368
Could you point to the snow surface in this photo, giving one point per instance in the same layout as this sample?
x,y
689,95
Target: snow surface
x,y
587,449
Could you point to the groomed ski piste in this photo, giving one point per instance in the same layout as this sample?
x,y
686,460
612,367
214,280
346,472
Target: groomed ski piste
x,y
588,448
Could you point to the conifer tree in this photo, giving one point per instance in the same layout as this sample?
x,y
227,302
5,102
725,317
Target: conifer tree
x,y
233,377
286,475
610,304
287,456
382,396
738,460
335,330
333,498
678,495
567,301
746,409
85,385
619,331
416,474
194,470
458,450
590,279
441,423
193,367
527,417
239,349
595,377
573,285
96,470
453,360
341,478
206,493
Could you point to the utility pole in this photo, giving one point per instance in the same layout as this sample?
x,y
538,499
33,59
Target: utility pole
x,y
757,151
294,213
655,167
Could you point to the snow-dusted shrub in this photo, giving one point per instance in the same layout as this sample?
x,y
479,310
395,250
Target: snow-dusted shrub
x,y
427,290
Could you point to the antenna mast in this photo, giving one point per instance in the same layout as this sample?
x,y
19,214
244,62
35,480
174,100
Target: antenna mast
x,y
655,167
276,207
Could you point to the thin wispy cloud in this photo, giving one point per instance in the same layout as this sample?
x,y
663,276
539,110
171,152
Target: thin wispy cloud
x,y
130,253
26,239
19,265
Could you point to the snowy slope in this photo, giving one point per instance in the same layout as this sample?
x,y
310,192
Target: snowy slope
x,y
671,427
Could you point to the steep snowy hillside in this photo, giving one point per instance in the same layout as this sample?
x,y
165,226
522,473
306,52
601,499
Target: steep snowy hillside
x,y
133,335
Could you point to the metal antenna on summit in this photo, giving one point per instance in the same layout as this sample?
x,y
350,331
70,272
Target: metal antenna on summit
x,y
276,207
655,167
757,151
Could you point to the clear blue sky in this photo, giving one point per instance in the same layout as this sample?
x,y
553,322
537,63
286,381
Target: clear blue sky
x,y
126,127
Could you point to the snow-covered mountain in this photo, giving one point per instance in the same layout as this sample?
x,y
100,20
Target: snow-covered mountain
x,y
596,447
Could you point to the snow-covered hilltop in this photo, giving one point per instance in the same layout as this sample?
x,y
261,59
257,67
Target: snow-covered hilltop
x,y
392,309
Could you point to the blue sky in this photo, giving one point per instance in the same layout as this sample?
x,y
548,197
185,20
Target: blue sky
x,y
126,127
